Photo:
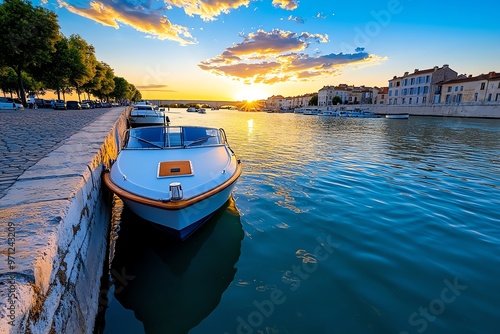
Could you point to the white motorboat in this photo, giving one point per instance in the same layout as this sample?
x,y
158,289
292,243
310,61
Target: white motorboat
x,y
367,113
146,115
311,111
174,176
327,113
342,113
192,109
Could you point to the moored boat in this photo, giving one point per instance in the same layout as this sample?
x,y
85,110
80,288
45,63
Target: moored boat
x,y
145,115
327,113
175,177
311,111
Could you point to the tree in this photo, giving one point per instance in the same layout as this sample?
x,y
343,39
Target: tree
x,y
121,88
8,80
59,63
133,94
107,84
314,100
82,65
336,100
27,36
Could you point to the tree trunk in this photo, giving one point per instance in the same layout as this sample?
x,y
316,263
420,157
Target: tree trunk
x,y
21,87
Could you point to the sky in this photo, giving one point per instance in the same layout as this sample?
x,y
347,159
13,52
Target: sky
x,y
234,50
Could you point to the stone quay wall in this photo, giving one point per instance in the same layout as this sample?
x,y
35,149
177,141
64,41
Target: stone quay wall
x,y
445,110
54,233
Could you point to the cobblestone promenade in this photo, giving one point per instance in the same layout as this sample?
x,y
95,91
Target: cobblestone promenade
x,y
27,136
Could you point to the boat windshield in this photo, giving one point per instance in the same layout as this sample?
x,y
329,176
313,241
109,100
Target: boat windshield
x,y
172,137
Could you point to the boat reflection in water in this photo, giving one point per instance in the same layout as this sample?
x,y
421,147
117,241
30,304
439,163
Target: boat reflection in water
x,y
173,285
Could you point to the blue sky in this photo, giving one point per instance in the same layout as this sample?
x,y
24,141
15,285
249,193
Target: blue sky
x,y
247,49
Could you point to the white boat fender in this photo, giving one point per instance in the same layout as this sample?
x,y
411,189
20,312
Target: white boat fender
x,y
176,191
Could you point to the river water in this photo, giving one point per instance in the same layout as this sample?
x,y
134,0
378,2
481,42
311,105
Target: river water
x,y
337,225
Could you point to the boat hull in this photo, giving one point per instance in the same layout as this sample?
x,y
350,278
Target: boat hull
x,y
181,223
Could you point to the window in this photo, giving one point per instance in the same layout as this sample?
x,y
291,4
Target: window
x,y
390,101
459,98
497,98
482,85
398,83
499,85
448,98
424,99
427,78
489,97
426,89
396,93
406,82
390,84
475,97
403,100
461,88
456,88
411,91
412,81
409,102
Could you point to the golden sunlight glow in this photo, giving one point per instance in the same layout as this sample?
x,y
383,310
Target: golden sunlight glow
x,y
250,94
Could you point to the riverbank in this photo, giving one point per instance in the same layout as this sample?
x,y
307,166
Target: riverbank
x,y
55,225
441,110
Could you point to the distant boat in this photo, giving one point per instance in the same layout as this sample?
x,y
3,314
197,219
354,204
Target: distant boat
x,y
397,116
201,111
311,111
367,113
191,109
327,113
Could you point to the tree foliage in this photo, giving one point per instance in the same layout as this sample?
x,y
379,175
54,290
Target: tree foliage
x,y
27,36
336,100
314,100
35,56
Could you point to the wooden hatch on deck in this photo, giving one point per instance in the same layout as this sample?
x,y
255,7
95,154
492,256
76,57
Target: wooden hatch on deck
x,y
175,168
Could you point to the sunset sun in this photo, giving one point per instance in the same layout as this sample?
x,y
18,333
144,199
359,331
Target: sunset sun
x,y
250,94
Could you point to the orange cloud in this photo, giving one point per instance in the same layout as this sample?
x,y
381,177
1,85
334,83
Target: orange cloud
x,y
286,4
149,16
279,56
112,13
208,10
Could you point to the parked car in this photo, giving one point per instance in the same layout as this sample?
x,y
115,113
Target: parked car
x,y
10,103
73,105
98,104
59,104
90,103
85,105
41,103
